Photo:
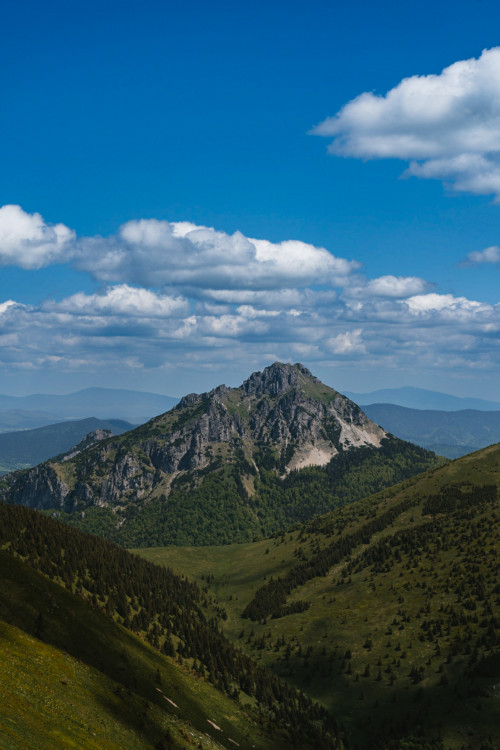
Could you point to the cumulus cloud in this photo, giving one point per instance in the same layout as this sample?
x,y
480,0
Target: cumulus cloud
x,y
447,125
178,294
458,306
122,300
180,255
346,343
387,286
123,328
162,253
488,255
27,241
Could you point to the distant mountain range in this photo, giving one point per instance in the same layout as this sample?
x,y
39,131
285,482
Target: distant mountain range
x,y
25,448
37,410
448,433
420,398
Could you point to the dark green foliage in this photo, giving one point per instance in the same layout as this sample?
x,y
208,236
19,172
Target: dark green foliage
x,y
153,601
212,506
401,637
270,599
455,497
349,476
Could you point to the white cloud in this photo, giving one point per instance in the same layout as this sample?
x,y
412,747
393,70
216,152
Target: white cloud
x,y
488,255
214,299
396,286
107,331
4,306
446,125
122,300
346,343
162,253
387,286
425,303
275,298
27,241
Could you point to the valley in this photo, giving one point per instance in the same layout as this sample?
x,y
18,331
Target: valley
x,y
400,633
299,578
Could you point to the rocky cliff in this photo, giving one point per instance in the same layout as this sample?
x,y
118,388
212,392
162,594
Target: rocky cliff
x,y
280,419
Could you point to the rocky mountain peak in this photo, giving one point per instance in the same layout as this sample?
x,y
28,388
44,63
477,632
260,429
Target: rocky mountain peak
x,y
188,400
282,418
276,379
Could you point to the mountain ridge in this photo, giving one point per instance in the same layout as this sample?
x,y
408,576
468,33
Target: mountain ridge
x,y
37,410
449,433
222,454
421,398
25,448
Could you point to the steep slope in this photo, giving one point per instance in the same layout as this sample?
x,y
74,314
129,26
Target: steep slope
x,y
449,433
387,610
25,448
130,643
71,677
224,466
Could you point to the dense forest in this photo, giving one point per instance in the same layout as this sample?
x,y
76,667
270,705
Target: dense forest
x,y
166,610
215,506
386,610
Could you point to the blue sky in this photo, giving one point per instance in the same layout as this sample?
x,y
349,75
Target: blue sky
x,y
144,147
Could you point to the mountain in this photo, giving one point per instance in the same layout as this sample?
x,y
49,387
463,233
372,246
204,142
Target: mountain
x,y
23,412
420,398
19,450
387,610
21,419
223,466
101,649
449,433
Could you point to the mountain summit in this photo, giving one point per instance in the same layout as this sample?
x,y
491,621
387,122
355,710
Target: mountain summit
x,y
283,408
223,457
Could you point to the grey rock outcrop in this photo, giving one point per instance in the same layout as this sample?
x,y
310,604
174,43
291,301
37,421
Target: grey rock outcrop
x,y
284,409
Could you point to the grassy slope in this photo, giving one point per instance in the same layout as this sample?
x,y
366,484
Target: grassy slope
x,y
377,613
88,682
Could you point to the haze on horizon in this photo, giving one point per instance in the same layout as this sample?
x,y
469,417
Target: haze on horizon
x,y
189,194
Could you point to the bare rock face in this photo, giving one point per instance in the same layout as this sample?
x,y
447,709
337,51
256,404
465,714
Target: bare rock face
x,y
90,439
283,410
276,380
39,488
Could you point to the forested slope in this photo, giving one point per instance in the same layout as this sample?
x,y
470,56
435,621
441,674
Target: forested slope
x,y
387,610
166,611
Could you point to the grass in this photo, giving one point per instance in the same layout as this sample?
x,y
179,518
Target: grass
x,y
88,682
402,639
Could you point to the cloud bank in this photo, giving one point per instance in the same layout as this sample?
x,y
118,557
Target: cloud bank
x,y
174,294
446,126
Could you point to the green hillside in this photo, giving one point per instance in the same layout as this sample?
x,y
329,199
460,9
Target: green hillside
x,y
128,655
386,611
71,677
